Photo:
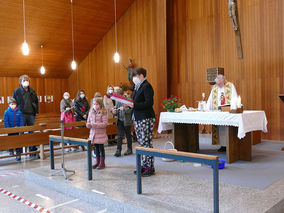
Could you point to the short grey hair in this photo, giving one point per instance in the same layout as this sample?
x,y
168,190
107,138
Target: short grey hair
x,y
220,78
22,77
12,100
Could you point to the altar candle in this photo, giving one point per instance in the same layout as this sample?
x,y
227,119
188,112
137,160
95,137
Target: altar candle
x,y
239,102
233,103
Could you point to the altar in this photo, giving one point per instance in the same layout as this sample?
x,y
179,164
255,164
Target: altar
x,y
236,129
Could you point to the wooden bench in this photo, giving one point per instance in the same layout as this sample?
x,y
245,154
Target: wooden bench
x,y
76,141
40,135
184,156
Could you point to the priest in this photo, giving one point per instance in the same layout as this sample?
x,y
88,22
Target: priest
x,y
221,94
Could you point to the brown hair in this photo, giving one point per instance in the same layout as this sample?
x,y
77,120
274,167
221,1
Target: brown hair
x,y
139,71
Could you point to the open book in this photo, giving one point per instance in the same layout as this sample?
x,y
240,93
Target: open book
x,y
120,99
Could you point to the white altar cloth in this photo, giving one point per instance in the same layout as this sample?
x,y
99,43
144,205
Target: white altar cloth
x,y
247,121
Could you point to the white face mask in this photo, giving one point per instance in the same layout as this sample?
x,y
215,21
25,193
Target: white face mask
x,y
110,91
25,83
96,107
82,96
136,80
66,97
13,106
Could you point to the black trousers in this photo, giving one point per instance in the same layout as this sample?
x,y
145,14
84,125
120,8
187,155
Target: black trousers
x,y
99,150
123,130
18,150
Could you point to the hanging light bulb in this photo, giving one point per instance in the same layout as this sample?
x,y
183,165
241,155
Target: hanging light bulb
x,y
73,63
42,68
25,46
116,56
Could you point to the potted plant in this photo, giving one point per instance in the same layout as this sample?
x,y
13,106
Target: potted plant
x,y
171,103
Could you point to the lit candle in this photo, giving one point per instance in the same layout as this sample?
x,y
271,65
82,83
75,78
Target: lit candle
x,y
203,96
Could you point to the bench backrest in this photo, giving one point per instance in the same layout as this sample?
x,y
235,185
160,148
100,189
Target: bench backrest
x,y
41,133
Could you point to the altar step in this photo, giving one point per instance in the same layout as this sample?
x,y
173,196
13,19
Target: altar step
x,y
98,199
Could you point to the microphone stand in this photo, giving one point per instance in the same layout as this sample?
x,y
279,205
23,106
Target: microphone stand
x,y
63,169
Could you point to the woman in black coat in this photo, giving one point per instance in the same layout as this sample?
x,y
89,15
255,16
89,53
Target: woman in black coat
x,y
81,106
143,116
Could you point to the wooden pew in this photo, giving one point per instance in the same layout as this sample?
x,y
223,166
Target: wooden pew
x,y
40,135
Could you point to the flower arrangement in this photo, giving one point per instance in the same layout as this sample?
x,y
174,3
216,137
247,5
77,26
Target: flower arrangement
x,y
171,103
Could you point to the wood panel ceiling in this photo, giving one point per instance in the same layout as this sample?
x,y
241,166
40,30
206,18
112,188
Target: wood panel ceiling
x,y
49,22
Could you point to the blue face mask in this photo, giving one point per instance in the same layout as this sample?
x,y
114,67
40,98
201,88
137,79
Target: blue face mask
x,y
82,96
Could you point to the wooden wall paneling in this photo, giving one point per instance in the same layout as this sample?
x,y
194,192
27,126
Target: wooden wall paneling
x,y
42,86
200,35
142,36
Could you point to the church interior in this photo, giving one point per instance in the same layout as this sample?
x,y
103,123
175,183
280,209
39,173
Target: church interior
x,y
142,106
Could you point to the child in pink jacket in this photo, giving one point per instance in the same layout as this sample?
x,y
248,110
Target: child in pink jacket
x,y
97,122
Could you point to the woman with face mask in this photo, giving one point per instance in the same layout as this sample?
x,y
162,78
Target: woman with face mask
x,y
108,103
81,106
67,112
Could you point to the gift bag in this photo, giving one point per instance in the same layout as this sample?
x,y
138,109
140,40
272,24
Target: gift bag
x,y
171,149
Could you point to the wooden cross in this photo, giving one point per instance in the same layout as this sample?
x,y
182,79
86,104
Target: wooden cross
x,y
233,13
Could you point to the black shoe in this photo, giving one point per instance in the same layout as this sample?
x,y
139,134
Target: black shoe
x,y
18,158
222,149
117,153
148,172
128,152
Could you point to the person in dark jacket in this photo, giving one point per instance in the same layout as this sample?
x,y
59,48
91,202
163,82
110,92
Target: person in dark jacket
x,y
27,102
143,116
81,106
13,118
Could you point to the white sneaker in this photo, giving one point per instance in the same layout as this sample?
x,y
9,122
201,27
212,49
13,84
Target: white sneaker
x,y
74,149
67,150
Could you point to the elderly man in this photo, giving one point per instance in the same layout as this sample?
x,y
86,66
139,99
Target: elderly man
x,y
27,102
221,94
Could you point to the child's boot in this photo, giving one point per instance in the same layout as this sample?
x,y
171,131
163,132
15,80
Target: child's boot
x,y
97,163
102,163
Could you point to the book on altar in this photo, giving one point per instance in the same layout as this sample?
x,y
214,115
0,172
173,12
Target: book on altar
x,y
121,99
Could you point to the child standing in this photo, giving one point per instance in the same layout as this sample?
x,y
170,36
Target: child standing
x,y
13,118
124,124
97,122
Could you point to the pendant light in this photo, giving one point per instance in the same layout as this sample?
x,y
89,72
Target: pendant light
x,y
25,46
116,56
42,68
73,63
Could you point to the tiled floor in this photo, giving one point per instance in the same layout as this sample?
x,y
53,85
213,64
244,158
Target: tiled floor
x,y
114,188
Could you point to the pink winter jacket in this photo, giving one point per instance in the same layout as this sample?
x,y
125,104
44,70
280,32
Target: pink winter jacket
x,y
97,123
